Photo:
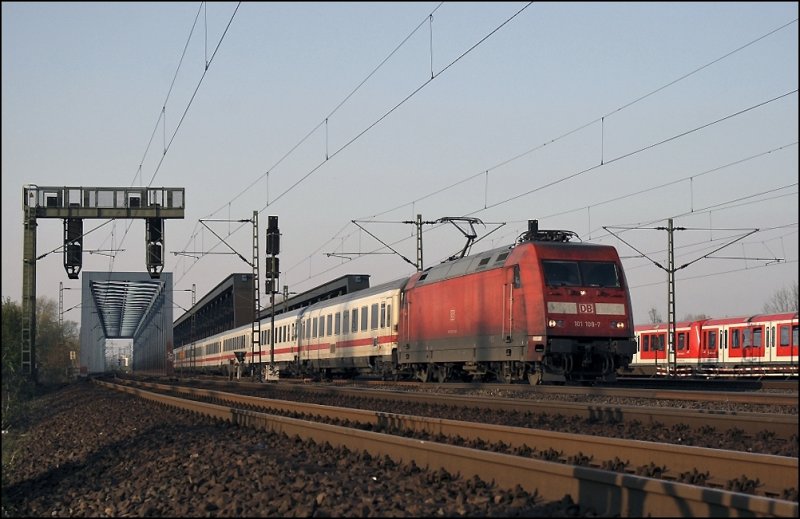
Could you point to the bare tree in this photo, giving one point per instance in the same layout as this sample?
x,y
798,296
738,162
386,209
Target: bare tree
x,y
783,300
695,317
655,317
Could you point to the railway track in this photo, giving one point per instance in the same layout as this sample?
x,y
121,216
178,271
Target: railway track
x,y
610,492
784,426
704,395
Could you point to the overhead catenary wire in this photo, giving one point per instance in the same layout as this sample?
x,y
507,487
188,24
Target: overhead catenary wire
x,y
603,161
386,114
633,153
185,111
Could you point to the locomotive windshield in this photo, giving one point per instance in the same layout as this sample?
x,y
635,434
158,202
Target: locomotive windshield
x,y
580,273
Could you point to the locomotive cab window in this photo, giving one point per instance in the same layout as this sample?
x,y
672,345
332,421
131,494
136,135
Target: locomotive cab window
x,y
561,273
599,274
581,273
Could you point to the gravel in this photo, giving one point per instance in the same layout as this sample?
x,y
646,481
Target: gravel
x,y
86,451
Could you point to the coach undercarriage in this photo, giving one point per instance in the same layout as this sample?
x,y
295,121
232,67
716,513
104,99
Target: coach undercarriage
x,y
554,368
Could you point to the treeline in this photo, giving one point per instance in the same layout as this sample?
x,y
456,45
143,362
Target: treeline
x,y
54,343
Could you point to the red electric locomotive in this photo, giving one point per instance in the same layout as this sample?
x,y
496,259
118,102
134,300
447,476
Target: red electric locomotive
x,y
545,309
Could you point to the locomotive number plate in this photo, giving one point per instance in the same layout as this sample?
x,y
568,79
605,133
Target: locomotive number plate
x,y
587,324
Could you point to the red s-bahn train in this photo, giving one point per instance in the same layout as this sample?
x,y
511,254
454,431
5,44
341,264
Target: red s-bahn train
x,y
544,309
747,346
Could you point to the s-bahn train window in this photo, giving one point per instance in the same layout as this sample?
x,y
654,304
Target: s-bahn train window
x,y
785,335
712,340
681,341
752,336
734,339
658,341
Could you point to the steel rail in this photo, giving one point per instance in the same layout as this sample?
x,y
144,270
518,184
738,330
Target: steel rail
x,y
774,473
604,491
782,425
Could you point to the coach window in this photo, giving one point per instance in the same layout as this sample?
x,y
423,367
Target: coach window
x,y
735,339
757,334
346,322
712,340
337,321
785,335
354,328
681,341
389,315
321,325
329,326
383,315
374,321
364,318
314,328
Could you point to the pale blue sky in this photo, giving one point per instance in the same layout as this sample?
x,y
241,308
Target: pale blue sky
x,y
83,85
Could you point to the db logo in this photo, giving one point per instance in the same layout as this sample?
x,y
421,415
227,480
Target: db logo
x,y
585,308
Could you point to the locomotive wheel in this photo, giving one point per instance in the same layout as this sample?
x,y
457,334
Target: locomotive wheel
x,y
423,374
504,375
441,373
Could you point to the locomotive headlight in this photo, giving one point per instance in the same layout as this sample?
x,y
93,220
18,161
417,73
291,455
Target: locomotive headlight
x,y
618,324
551,323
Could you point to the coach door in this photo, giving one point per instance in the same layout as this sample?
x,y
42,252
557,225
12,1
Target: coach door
x,y
709,345
753,350
786,342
